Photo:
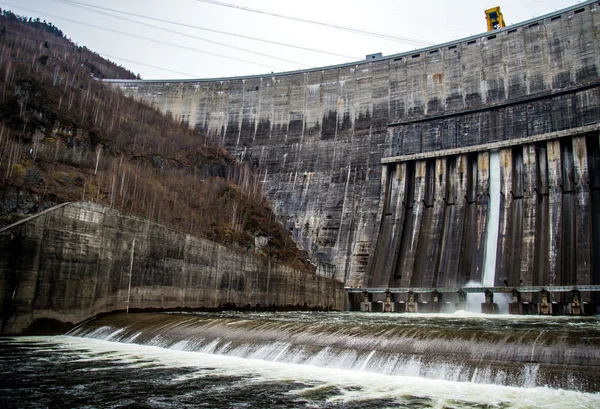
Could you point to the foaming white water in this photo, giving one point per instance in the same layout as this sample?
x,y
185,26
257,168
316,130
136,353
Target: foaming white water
x,y
502,299
353,386
463,347
474,300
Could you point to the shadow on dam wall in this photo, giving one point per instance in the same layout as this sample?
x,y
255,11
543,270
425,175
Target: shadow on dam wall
x,y
329,141
78,260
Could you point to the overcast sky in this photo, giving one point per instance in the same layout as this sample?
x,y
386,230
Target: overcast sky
x,y
184,52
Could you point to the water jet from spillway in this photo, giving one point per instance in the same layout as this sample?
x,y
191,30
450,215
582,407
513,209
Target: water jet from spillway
x,y
491,231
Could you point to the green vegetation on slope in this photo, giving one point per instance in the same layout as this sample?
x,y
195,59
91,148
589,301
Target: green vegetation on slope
x,y
65,136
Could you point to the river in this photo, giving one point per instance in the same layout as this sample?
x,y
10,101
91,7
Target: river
x,y
307,360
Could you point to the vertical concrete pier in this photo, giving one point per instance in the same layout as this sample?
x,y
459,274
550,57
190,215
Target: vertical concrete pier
x,y
366,305
412,304
575,306
388,305
489,307
436,301
462,300
545,305
515,307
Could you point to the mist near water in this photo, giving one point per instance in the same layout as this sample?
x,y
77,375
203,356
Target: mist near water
x,y
474,300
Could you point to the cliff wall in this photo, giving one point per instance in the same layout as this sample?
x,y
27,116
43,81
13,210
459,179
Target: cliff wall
x,y
328,140
81,259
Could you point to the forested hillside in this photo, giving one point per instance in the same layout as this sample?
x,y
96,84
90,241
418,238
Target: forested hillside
x,y
65,136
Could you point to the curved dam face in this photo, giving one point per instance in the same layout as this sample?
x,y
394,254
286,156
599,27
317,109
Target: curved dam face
x,y
476,160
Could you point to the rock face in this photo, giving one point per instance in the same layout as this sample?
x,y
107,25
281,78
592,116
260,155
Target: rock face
x,y
381,169
74,261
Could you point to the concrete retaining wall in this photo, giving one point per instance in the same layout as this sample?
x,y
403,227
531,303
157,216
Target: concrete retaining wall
x,y
73,262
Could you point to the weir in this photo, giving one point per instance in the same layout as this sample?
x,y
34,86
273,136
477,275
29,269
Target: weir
x,y
525,352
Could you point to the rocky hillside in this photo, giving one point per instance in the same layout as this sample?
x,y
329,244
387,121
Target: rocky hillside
x,y
65,136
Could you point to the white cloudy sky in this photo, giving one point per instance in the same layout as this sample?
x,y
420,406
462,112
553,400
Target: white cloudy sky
x,y
184,52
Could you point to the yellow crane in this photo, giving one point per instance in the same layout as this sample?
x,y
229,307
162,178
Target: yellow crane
x,y
494,19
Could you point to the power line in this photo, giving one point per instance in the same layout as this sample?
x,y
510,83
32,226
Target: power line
x,y
405,40
437,24
149,39
70,45
181,33
148,65
214,31
550,3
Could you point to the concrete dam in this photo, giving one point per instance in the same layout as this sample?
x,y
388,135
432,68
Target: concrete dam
x,y
476,160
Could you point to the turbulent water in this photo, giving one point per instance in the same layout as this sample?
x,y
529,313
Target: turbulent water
x,y
324,360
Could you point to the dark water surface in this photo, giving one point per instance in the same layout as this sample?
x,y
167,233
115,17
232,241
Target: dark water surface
x,y
294,360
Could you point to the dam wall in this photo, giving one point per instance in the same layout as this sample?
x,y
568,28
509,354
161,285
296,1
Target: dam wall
x,y
82,259
475,160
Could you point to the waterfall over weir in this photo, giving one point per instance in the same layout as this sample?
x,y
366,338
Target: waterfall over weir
x,y
559,352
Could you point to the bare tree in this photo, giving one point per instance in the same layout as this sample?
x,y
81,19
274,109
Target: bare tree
x,y
98,155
